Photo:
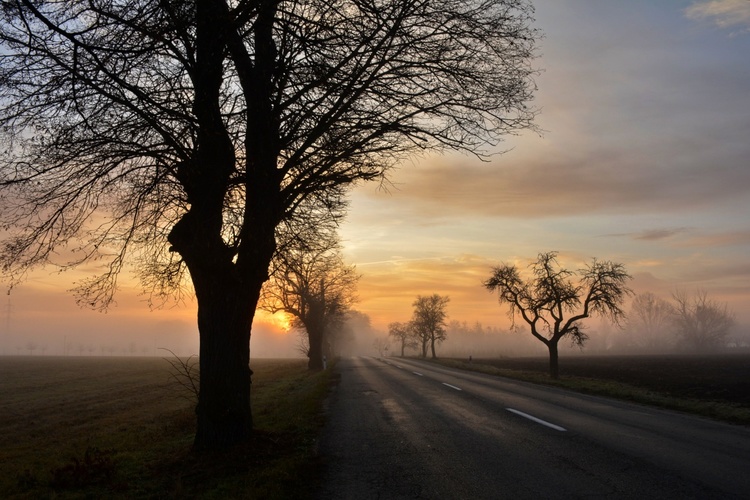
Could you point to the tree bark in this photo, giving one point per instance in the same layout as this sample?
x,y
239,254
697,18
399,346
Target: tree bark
x,y
223,412
553,360
432,346
315,355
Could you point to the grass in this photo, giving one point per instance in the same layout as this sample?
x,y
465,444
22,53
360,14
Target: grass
x,y
704,386
120,428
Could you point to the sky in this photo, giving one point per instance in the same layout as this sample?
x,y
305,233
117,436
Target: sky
x,y
643,158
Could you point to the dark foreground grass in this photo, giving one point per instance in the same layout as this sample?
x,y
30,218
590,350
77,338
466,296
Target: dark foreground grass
x,y
717,387
118,428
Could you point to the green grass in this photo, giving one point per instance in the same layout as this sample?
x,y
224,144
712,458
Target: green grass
x,y
716,408
95,428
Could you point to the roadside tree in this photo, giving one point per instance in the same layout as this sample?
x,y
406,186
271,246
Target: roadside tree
x,y
701,324
429,321
403,335
174,137
553,304
316,288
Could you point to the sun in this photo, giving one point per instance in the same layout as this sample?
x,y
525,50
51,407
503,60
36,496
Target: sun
x,y
280,322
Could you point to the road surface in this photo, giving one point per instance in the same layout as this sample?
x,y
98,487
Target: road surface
x,y
408,429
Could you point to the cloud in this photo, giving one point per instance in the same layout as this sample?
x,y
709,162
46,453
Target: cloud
x,y
605,181
659,234
724,13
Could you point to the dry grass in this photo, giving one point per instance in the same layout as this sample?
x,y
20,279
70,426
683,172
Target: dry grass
x,y
120,428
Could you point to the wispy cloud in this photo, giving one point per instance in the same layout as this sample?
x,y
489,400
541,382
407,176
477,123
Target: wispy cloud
x,y
724,13
659,234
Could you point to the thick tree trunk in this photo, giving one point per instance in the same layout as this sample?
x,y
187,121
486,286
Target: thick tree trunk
x,y
432,346
224,416
315,355
553,360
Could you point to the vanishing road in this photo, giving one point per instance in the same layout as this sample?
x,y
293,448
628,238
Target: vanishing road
x,y
407,429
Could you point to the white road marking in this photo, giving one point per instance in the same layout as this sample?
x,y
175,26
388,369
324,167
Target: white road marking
x,y
537,420
417,373
399,366
452,386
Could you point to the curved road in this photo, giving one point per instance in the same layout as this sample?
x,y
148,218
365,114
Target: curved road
x,y
407,429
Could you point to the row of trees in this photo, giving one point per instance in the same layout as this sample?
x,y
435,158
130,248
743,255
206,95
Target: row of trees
x,y
695,323
190,140
427,326
554,301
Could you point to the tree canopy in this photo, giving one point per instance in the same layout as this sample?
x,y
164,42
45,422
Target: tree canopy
x,y
179,136
428,321
553,304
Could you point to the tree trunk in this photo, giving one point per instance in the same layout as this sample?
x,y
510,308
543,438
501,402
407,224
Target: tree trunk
x,y
403,346
432,346
224,416
553,360
315,355
424,348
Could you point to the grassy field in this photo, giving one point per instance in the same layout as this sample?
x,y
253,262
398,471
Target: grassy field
x,y
121,428
715,386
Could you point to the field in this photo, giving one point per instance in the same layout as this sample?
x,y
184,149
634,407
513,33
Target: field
x,y
716,386
122,428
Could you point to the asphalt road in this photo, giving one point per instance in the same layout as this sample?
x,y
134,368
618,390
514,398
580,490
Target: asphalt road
x,y
406,429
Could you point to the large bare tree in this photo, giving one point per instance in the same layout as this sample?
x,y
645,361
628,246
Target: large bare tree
x,y
177,135
553,304
315,287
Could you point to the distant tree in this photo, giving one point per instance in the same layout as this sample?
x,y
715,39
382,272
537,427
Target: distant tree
x,y
429,321
401,332
381,345
31,346
177,136
316,288
700,323
554,305
650,321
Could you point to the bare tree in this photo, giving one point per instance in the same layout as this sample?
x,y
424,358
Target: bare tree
x,y
176,136
700,323
554,305
429,321
650,321
403,335
316,288
382,345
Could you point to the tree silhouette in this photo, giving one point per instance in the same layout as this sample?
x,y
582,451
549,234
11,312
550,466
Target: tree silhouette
x,y
316,288
176,136
554,305
650,320
403,334
428,321
700,323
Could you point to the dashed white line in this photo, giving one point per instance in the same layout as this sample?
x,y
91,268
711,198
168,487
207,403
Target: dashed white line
x,y
417,373
399,366
452,386
537,420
